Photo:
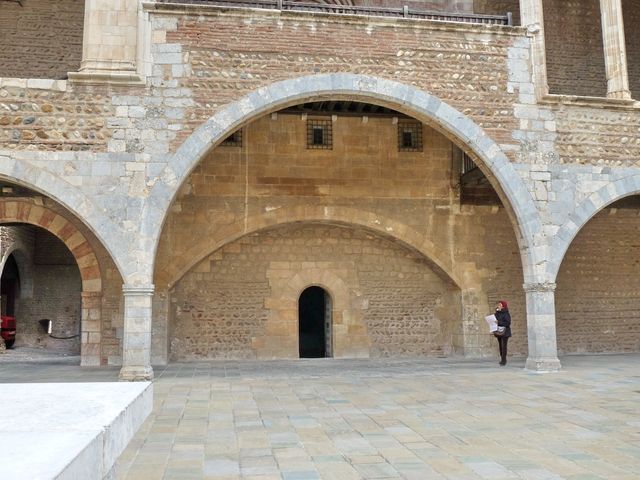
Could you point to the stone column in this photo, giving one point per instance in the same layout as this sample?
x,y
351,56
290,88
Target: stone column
x,y
532,17
110,43
541,327
136,354
615,49
91,329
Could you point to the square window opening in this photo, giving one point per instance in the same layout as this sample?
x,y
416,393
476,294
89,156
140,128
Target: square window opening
x,y
319,134
410,136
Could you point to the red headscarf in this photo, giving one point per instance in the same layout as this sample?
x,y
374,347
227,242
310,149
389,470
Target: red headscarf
x,y
504,304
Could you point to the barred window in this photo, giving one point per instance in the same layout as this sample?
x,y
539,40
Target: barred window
x,y
409,136
319,134
233,140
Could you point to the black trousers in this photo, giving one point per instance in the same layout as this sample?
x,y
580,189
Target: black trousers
x,y
502,345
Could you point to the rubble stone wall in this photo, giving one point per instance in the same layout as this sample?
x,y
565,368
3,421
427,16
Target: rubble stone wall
x,y
597,300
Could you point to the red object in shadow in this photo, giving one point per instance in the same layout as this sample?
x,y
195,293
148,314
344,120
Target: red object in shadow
x,y
8,330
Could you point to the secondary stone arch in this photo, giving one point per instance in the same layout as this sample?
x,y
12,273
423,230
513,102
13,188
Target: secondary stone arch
x,y
90,273
402,97
587,209
78,245
379,224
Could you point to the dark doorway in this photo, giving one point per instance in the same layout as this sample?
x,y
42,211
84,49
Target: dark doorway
x,y
10,285
314,323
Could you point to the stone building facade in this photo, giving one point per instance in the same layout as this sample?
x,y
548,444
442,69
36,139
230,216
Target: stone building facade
x,y
206,163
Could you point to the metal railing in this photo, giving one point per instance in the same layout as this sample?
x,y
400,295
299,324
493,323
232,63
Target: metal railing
x,y
404,12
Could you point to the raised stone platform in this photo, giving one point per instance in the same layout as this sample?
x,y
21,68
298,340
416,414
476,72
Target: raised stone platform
x,y
68,430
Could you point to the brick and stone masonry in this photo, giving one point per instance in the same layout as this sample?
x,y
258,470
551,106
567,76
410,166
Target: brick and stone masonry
x,y
127,150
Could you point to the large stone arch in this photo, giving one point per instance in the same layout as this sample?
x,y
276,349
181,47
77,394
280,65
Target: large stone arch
x,y
583,213
402,97
15,211
379,224
35,178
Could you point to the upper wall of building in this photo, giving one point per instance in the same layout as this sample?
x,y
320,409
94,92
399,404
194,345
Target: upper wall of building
x,y
41,38
575,55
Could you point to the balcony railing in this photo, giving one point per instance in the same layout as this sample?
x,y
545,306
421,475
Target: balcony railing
x,y
404,12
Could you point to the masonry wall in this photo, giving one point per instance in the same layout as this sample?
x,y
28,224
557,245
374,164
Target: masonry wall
x,y
41,38
575,55
224,296
597,298
631,13
220,305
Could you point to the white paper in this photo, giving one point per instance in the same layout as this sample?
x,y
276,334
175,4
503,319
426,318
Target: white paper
x,y
492,321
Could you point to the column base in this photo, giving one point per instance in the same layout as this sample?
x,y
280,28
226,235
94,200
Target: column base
x,y
543,365
136,374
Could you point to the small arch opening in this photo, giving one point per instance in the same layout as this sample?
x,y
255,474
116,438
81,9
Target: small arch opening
x,y
314,323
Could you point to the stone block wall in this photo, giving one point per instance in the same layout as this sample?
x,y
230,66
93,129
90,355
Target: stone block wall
x,y
406,309
597,300
41,38
575,55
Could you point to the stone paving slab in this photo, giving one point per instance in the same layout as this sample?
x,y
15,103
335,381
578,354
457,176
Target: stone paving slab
x,y
71,431
386,419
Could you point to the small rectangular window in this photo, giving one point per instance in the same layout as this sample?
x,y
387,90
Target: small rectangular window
x,y
409,136
233,140
319,134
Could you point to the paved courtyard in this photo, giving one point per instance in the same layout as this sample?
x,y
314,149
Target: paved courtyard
x,y
378,419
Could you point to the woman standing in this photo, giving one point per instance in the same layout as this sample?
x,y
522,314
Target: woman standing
x,y
504,320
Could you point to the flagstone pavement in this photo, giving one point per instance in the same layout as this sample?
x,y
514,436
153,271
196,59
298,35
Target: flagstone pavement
x,y
380,419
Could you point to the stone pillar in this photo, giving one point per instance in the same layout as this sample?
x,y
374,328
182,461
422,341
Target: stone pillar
x,y
110,43
541,327
136,354
91,329
615,49
532,17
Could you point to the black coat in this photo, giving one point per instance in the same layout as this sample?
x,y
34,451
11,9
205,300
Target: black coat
x,y
504,320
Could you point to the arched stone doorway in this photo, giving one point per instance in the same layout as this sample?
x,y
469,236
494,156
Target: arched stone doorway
x,y
33,228
41,282
314,323
597,302
425,108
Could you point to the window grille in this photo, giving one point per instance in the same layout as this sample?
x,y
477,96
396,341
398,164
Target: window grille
x,y
233,140
409,136
319,134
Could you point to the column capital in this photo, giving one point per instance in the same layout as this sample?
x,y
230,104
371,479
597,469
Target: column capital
x,y
539,287
138,290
